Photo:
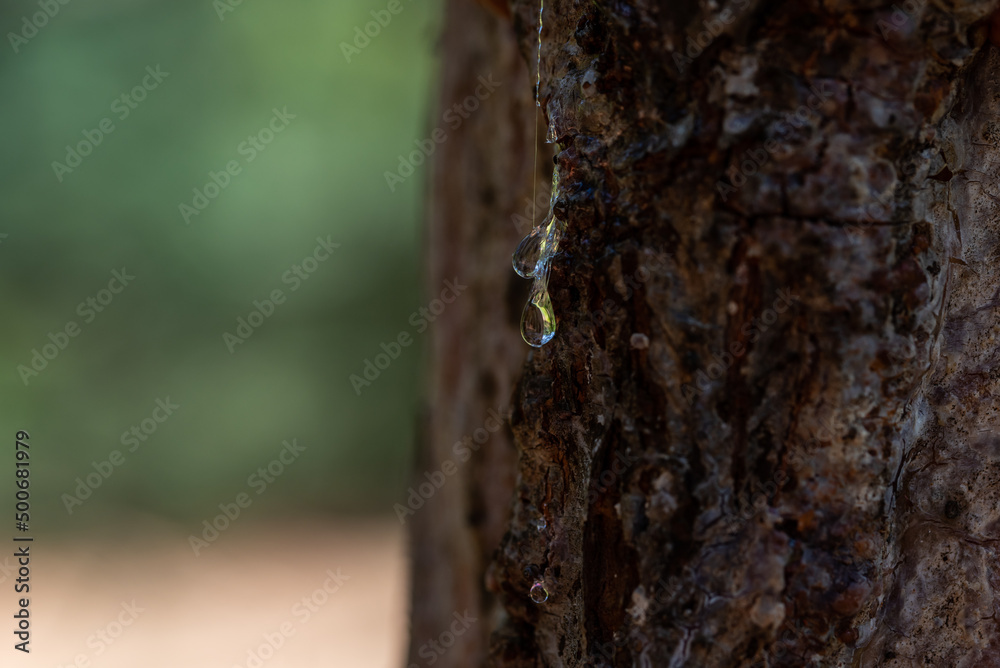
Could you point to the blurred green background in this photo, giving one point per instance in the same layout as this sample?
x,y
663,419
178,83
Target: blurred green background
x,y
162,336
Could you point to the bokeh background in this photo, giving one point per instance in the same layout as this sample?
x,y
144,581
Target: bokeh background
x,y
229,66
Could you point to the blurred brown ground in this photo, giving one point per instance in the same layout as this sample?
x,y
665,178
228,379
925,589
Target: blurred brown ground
x,y
209,611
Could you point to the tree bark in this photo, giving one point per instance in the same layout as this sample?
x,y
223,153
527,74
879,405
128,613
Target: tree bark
x,y
767,431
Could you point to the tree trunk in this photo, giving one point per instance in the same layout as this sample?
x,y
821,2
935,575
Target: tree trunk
x,y
767,430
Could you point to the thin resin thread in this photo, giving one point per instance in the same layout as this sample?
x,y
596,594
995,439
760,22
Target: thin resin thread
x,y
536,250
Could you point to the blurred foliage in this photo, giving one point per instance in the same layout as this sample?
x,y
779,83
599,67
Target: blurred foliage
x,y
162,336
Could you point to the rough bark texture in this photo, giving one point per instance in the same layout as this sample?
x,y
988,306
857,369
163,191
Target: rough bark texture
x,y
767,432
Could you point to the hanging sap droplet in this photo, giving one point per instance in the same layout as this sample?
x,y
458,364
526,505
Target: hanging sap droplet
x,y
531,260
541,523
550,135
525,258
538,322
537,248
538,592
554,191
549,241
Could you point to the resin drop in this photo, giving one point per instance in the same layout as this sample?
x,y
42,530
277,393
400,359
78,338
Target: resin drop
x,y
538,592
531,260
538,322
537,248
548,242
525,258
541,523
550,135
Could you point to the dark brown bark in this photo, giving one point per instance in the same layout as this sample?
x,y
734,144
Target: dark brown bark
x,y
767,432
